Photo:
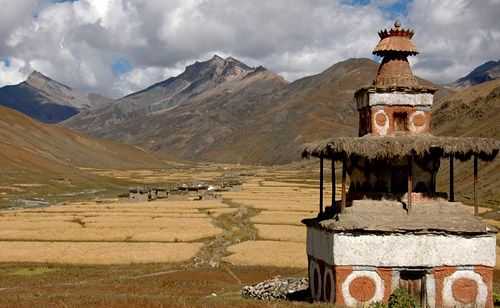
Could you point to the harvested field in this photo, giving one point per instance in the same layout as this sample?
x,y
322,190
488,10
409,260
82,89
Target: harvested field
x,y
280,218
283,233
77,227
280,205
97,253
269,253
163,221
144,233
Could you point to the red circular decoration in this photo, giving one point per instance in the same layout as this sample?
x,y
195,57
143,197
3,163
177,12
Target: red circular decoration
x,y
419,120
362,288
464,290
381,119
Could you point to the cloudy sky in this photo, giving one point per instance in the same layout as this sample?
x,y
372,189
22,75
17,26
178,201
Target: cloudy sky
x,y
115,47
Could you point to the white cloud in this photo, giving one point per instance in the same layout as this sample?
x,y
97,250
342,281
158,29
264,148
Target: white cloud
x,y
13,72
76,43
136,79
454,36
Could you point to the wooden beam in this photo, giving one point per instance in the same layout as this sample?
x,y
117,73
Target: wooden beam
x,y
333,183
452,184
476,205
321,184
410,183
344,188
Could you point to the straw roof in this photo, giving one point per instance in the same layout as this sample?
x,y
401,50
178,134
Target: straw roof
x,y
387,147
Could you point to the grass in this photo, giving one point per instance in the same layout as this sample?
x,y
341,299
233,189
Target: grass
x,y
33,270
268,253
285,233
136,285
97,252
280,218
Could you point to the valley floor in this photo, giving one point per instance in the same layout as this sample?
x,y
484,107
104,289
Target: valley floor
x,y
170,252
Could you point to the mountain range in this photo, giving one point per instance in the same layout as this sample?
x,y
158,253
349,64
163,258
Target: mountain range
x,y
27,145
472,111
47,100
483,73
221,110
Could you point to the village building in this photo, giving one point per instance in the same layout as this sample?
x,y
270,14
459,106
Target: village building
x,y
144,194
392,229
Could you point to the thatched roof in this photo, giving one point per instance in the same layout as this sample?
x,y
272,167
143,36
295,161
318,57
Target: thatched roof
x,y
371,147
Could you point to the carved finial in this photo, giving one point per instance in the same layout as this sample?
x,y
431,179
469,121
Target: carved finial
x,y
397,24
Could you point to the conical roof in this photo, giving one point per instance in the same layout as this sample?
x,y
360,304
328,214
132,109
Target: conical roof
x,y
395,40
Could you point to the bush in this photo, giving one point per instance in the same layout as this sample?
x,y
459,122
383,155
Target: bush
x,y
378,305
400,298
496,299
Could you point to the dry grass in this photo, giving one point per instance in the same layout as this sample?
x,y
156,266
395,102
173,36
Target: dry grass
x,y
19,224
269,253
97,253
283,233
281,218
162,221
280,205
141,234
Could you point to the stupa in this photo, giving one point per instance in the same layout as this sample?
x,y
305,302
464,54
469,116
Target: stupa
x,y
392,229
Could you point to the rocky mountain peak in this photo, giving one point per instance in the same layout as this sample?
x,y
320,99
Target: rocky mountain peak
x,y
40,81
483,73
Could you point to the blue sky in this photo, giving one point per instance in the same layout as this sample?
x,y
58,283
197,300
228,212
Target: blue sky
x,y
115,47
121,66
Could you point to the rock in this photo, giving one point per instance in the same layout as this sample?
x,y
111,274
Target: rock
x,y
276,288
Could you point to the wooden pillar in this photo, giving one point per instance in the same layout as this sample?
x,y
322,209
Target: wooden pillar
x,y
333,182
344,188
410,183
476,206
452,184
321,184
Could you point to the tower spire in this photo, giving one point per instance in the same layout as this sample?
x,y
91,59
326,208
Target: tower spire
x,y
395,46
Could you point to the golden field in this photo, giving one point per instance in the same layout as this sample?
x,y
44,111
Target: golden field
x,y
270,233
97,253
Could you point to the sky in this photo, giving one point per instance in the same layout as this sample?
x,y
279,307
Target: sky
x,y
116,47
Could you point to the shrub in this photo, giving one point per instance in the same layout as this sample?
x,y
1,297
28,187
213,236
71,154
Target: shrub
x,y
400,298
378,305
496,299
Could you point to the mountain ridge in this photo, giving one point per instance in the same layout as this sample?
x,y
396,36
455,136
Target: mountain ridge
x,y
29,145
47,100
231,113
487,71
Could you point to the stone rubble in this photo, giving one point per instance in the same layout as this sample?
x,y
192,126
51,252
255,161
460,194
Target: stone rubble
x,y
276,288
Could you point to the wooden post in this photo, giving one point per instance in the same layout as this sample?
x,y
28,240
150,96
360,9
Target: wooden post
x,y
476,206
410,183
321,184
452,188
344,193
333,182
